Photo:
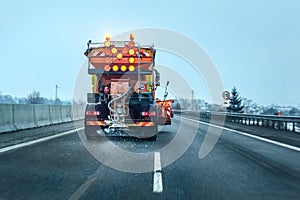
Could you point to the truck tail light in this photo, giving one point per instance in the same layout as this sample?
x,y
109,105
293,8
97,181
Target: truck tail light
x,y
147,114
152,113
92,113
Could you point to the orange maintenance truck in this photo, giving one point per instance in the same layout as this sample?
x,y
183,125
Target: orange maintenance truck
x,y
124,83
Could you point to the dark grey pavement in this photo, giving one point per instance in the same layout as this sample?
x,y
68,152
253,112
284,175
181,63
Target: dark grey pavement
x,y
288,137
16,137
238,167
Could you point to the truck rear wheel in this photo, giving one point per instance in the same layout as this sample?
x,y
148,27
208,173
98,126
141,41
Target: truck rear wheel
x,y
149,133
152,138
91,132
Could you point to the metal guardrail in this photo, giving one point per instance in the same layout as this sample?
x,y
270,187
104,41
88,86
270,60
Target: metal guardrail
x,y
289,123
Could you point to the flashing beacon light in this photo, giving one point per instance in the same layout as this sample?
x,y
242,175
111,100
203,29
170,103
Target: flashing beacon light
x,y
107,68
115,68
114,50
107,36
131,60
131,36
131,42
131,68
119,56
131,52
107,44
123,68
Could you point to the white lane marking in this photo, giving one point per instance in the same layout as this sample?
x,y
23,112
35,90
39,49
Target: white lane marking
x,y
249,135
16,146
82,189
85,186
157,165
157,177
157,182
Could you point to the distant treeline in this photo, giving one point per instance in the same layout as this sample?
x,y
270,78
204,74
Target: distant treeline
x,y
33,98
249,107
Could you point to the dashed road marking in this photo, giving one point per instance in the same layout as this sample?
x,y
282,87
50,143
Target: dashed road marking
x,y
157,163
24,144
85,186
157,177
248,135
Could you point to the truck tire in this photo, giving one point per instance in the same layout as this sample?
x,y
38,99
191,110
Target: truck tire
x,y
153,132
90,132
152,138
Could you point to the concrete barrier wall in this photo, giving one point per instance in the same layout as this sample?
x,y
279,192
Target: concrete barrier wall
x,y
42,115
66,113
74,113
55,114
23,116
78,112
6,118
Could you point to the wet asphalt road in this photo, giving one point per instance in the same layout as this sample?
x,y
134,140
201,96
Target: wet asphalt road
x,y
238,167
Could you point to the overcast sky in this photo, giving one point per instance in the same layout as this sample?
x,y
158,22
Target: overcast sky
x,y
255,44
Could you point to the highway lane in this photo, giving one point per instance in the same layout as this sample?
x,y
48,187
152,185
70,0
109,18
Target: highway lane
x,y
238,167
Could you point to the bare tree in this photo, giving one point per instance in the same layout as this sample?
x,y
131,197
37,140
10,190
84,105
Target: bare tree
x,y
35,98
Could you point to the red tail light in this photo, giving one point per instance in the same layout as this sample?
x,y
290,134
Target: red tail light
x,y
152,113
92,113
147,114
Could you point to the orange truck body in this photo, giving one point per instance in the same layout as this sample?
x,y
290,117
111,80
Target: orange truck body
x,y
124,83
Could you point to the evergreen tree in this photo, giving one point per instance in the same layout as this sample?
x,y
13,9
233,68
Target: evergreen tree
x,y
235,102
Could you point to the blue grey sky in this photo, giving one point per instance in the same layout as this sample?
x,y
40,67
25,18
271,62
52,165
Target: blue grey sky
x,y
254,44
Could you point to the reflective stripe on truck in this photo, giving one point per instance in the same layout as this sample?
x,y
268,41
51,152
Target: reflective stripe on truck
x,y
95,123
101,123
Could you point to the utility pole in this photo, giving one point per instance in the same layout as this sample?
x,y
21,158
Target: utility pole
x,y
56,87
